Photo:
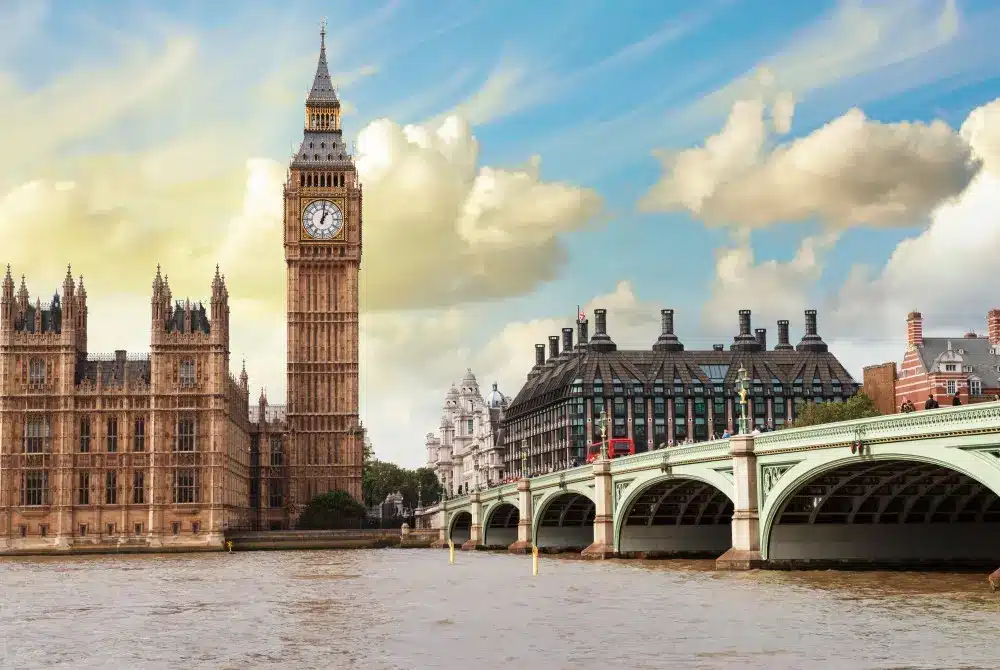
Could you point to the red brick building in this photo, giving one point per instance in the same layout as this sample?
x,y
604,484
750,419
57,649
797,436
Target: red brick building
x,y
967,365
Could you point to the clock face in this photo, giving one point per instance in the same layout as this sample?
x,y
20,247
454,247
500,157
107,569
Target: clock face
x,y
322,220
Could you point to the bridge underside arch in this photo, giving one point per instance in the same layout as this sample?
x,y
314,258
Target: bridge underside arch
x,y
461,528
895,512
677,518
566,523
500,530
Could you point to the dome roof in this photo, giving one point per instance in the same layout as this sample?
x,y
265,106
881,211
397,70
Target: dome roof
x,y
495,399
469,378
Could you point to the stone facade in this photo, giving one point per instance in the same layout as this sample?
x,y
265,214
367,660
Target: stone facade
x,y
162,449
468,452
134,451
965,365
322,235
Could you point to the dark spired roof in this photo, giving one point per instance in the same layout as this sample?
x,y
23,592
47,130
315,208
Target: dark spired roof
x,y
976,352
51,317
322,92
112,370
324,147
550,383
199,319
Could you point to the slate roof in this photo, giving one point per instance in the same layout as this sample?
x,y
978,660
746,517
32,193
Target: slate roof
x,y
199,319
671,365
51,317
112,370
976,352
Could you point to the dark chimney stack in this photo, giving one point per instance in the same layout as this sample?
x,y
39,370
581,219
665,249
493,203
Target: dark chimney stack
x,y
810,322
666,322
668,340
567,346
718,347
783,343
600,322
553,347
539,354
582,336
745,341
744,322
761,334
811,341
601,341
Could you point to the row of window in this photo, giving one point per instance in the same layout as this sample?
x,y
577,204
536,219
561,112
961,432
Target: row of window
x,y
575,411
975,387
38,435
111,529
35,488
717,387
185,372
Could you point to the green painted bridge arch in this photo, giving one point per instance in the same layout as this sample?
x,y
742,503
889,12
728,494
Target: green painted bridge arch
x,y
500,519
673,512
564,514
910,502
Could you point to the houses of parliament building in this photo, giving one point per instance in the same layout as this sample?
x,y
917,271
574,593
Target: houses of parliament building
x,y
165,449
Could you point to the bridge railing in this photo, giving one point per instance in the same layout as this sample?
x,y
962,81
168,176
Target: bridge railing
x,y
568,475
981,416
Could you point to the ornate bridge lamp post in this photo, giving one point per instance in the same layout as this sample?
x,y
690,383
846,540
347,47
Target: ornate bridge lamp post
x,y
524,461
603,423
742,386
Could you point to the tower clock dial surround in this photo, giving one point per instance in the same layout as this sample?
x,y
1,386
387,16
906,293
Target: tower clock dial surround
x,y
322,220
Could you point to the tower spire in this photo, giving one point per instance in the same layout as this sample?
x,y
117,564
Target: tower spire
x,y
322,87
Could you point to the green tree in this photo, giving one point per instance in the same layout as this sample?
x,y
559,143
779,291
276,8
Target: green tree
x,y
382,478
379,480
858,406
335,509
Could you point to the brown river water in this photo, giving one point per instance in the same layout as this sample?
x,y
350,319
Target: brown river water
x,y
389,609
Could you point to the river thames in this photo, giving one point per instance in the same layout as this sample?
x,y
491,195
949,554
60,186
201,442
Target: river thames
x,y
395,609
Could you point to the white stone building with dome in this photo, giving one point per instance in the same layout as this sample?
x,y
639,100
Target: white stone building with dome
x,y
468,451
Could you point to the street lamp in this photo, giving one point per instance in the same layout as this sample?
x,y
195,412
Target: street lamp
x,y
524,461
742,384
603,422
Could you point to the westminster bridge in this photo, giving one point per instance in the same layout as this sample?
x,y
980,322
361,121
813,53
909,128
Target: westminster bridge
x,y
905,489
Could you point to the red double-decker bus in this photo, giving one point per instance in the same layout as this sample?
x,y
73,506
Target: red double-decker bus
x,y
617,446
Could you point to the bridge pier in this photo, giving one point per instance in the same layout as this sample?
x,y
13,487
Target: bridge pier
x,y
604,519
523,544
442,521
476,530
745,552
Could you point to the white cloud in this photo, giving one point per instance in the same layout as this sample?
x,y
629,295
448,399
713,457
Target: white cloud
x,y
942,272
771,289
852,171
440,229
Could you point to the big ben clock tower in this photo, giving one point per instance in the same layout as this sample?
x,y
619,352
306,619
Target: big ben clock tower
x,y
323,257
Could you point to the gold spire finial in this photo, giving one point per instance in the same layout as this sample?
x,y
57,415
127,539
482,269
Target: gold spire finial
x,y
322,33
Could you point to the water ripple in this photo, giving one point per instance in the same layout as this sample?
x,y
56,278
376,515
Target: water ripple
x,y
389,610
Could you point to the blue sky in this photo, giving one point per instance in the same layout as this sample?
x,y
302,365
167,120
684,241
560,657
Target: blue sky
x,y
592,88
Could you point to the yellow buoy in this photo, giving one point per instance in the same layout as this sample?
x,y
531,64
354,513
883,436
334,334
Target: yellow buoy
x,y
534,561
451,551
229,546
